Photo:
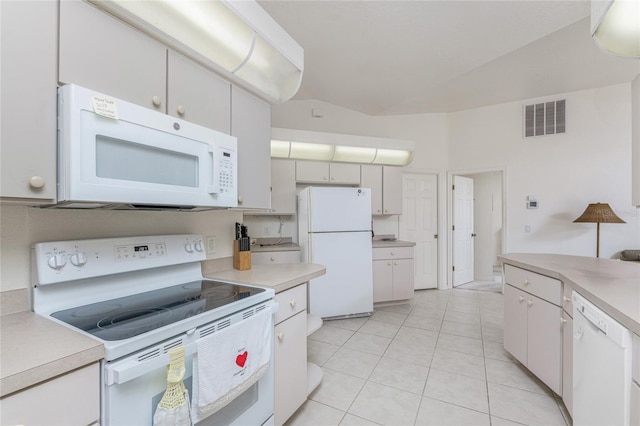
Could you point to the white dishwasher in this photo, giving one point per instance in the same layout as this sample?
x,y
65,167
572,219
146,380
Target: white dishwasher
x,y
602,379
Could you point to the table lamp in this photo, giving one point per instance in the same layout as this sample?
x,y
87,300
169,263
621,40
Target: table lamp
x,y
599,213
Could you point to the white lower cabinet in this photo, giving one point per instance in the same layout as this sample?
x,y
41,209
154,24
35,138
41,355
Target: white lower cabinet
x,y
71,399
290,352
533,327
393,274
290,366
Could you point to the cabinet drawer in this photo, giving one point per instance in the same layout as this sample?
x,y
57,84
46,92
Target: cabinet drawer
x,y
73,398
549,289
567,305
392,253
291,302
267,257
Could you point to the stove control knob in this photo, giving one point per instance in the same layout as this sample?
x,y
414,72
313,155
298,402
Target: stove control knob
x,y
188,248
57,261
78,259
198,246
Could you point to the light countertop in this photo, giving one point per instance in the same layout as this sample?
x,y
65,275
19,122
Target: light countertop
x,y
35,349
610,284
280,277
396,243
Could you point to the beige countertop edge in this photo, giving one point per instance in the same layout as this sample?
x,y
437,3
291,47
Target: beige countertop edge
x,y
610,284
397,243
280,277
36,349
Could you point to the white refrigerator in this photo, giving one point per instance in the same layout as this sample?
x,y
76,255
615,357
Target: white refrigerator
x,y
334,230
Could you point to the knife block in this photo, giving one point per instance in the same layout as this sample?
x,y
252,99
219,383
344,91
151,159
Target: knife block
x,y
241,259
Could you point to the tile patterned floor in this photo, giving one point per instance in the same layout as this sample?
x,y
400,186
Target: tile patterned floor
x,y
438,360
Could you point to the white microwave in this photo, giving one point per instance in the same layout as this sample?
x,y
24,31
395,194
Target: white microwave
x,y
115,154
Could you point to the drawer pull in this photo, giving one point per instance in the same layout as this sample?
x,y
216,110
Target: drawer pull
x,y
529,303
392,253
292,302
280,335
563,321
527,282
272,259
566,299
521,299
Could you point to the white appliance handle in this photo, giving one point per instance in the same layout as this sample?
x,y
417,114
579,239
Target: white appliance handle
x,y
127,371
214,186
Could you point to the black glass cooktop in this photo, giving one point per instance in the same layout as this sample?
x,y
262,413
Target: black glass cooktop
x,y
129,316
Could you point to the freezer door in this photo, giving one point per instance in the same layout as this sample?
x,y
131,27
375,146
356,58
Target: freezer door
x,y
347,287
339,209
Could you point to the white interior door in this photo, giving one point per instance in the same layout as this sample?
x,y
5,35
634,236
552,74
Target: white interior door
x,y
462,230
419,223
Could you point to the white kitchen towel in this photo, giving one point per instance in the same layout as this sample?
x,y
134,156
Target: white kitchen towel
x,y
228,362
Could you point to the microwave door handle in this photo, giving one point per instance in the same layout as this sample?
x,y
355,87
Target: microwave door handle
x,y
214,184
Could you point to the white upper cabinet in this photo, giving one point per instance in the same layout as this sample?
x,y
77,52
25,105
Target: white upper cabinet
x,y
197,95
103,54
391,190
386,188
28,97
371,177
327,173
251,124
283,187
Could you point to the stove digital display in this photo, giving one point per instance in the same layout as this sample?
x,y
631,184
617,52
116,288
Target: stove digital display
x,y
141,248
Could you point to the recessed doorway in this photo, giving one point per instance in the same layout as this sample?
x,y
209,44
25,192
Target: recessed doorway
x,y
477,217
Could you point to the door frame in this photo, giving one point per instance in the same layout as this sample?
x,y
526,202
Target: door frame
x,y
449,226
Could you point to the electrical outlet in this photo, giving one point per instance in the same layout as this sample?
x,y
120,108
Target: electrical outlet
x,y
211,245
266,231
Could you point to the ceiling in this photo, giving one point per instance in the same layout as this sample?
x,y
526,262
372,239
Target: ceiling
x,y
409,57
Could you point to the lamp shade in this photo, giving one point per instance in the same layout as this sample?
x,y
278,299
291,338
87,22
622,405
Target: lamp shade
x,y
599,213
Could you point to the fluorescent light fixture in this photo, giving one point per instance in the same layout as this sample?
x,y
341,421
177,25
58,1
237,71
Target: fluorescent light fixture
x,y
310,145
615,26
393,157
280,149
354,154
311,151
238,39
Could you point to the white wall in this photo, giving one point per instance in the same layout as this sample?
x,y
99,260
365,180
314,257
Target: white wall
x,y
21,227
590,163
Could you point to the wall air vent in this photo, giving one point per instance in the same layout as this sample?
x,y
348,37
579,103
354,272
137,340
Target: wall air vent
x,y
547,118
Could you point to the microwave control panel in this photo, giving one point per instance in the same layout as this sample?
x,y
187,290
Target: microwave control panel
x,y
226,168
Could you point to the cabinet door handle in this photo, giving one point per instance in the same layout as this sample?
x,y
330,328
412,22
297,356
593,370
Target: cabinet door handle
x,y
521,299
388,263
280,335
395,263
156,101
292,302
566,299
272,259
529,303
563,321
180,110
526,282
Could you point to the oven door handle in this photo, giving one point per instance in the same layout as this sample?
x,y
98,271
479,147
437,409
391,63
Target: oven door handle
x,y
132,368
